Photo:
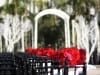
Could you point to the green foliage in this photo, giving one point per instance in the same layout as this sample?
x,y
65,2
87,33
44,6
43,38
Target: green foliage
x,y
50,32
39,3
78,5
61,4
9,8
47,20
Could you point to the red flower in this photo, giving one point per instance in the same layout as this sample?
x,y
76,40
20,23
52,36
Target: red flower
x,y
29,50
82,56
73,55
49,52
39,51
70,55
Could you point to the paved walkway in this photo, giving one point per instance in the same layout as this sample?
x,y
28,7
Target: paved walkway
x,y
94,71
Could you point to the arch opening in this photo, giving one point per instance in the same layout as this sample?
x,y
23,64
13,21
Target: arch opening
x,y
58,13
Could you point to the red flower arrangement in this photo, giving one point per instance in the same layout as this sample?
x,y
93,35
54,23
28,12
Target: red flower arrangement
x,y
39,51
82,56
72,56
49,52
31,51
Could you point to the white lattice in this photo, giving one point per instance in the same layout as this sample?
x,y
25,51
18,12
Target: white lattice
x,y
87,34
93,34
13,28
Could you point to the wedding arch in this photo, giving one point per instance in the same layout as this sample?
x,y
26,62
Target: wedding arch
x,y
58,13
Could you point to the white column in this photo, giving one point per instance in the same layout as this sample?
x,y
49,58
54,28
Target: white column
x,y
0,43
23,46
32,36
73,34
36,34
66,34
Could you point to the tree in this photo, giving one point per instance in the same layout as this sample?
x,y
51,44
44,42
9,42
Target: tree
x,y
13,21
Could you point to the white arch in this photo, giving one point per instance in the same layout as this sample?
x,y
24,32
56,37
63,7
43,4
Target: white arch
x,y
56,12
